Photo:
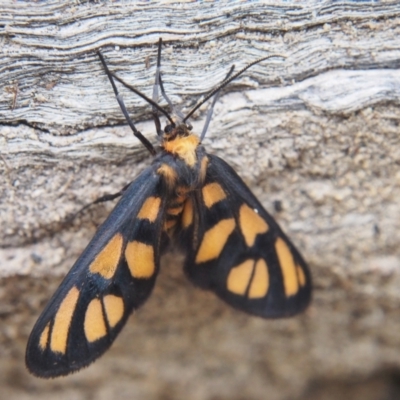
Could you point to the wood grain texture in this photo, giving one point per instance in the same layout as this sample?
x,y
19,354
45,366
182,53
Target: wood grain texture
x,y
317,131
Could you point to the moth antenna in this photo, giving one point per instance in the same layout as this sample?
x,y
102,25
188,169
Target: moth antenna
x,y
160,84
133,89
121,103
227,81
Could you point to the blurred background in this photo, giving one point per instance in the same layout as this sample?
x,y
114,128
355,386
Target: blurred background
x,y
314,135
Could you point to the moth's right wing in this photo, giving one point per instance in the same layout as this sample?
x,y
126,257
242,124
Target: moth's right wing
x,y
114,275
237,250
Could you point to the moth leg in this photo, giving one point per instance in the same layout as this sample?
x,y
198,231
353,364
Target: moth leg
x,y
102,199
155,95
109,196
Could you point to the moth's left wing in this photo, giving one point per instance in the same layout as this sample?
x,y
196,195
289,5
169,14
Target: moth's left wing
x,y
236,249
114,275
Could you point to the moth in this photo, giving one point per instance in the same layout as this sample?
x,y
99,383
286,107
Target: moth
x,y
233,247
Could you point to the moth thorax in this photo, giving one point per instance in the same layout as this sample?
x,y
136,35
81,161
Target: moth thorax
x,y
184,147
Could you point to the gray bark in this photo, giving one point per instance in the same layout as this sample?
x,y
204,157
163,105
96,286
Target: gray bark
x,y
318,131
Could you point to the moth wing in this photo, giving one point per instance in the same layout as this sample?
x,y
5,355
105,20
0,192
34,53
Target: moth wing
x,y
114,275
236,249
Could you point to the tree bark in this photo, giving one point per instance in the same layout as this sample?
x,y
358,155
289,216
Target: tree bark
x,y
314,134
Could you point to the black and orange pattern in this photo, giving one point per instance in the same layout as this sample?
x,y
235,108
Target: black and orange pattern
x,y
233,247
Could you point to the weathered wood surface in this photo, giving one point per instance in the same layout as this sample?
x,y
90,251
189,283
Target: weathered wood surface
x,y
318,131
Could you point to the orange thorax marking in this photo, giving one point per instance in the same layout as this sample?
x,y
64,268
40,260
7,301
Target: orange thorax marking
x,y
184,147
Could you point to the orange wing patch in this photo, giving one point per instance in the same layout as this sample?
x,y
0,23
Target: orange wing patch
x,y
288,267
187,214
203,168
214,240
150,209
239,277
114,308
140,259
44,337
106,261
260,282
94,325
249,277
212,194
62,321
301,276
251,224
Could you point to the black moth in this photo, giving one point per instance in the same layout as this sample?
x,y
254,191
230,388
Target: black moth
x,y
232,245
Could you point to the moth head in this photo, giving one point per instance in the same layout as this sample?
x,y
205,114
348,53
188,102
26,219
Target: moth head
x,y
172,131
